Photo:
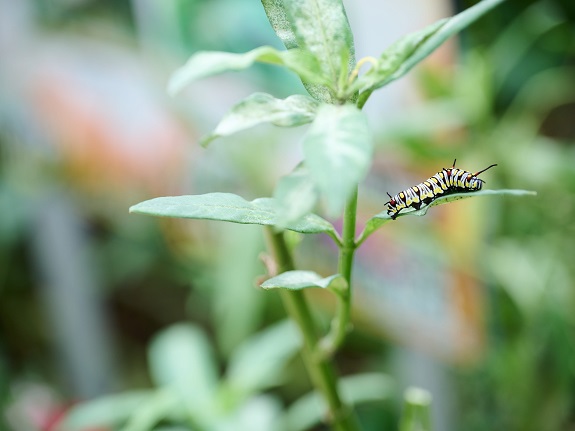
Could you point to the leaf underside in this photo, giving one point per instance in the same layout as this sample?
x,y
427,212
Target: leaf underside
x,y
298,280
231,208
261,108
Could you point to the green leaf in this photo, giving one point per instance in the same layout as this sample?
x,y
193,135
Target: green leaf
x,y
296,195
181,358
153,411
231,208
261,108
311,409
416,410
338,149
259,362
208,63
259,413
401,57
321,27
298,280
380,219
109,411
280,22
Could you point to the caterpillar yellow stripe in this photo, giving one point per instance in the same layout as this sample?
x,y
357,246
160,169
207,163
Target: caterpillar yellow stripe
x,y
447,181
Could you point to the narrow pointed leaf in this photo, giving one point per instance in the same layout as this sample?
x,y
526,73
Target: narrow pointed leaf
x,y
261,108
298,280
231,208
338,149
259,362
401,57
380,219
207,63
296,195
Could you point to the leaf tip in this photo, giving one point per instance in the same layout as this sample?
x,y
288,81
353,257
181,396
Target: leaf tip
x,y
136,208
266,286
207,140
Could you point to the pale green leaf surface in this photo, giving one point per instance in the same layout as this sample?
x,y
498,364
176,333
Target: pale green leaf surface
x,y
298,280
231,208
107,411
259,362
261,108
277,16
319,92
208,63
311,409
296,195
380,219
338,149
181,358
282,23
321,27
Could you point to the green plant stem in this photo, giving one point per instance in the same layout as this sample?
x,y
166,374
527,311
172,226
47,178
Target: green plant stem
x,y
363,98
320,369
340,324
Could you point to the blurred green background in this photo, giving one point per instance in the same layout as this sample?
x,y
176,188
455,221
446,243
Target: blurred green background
x,y
474,302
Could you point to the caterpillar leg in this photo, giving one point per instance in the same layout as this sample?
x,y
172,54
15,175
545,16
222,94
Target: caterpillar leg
x,y
394,216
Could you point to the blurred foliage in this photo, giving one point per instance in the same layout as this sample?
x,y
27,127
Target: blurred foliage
x,y
150,275
189,390
512,100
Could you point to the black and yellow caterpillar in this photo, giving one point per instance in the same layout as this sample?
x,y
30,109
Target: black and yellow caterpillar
x,y
447,181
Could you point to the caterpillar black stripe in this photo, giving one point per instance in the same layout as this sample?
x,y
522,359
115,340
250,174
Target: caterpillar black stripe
x,y
445,182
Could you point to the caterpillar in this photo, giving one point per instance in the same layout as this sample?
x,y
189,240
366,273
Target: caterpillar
x,y
447,181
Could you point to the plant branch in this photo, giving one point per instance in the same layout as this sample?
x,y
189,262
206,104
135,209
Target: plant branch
x,y
363,96
320,369
341,323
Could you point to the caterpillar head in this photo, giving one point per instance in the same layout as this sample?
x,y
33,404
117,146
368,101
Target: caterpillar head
x,y
476,183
